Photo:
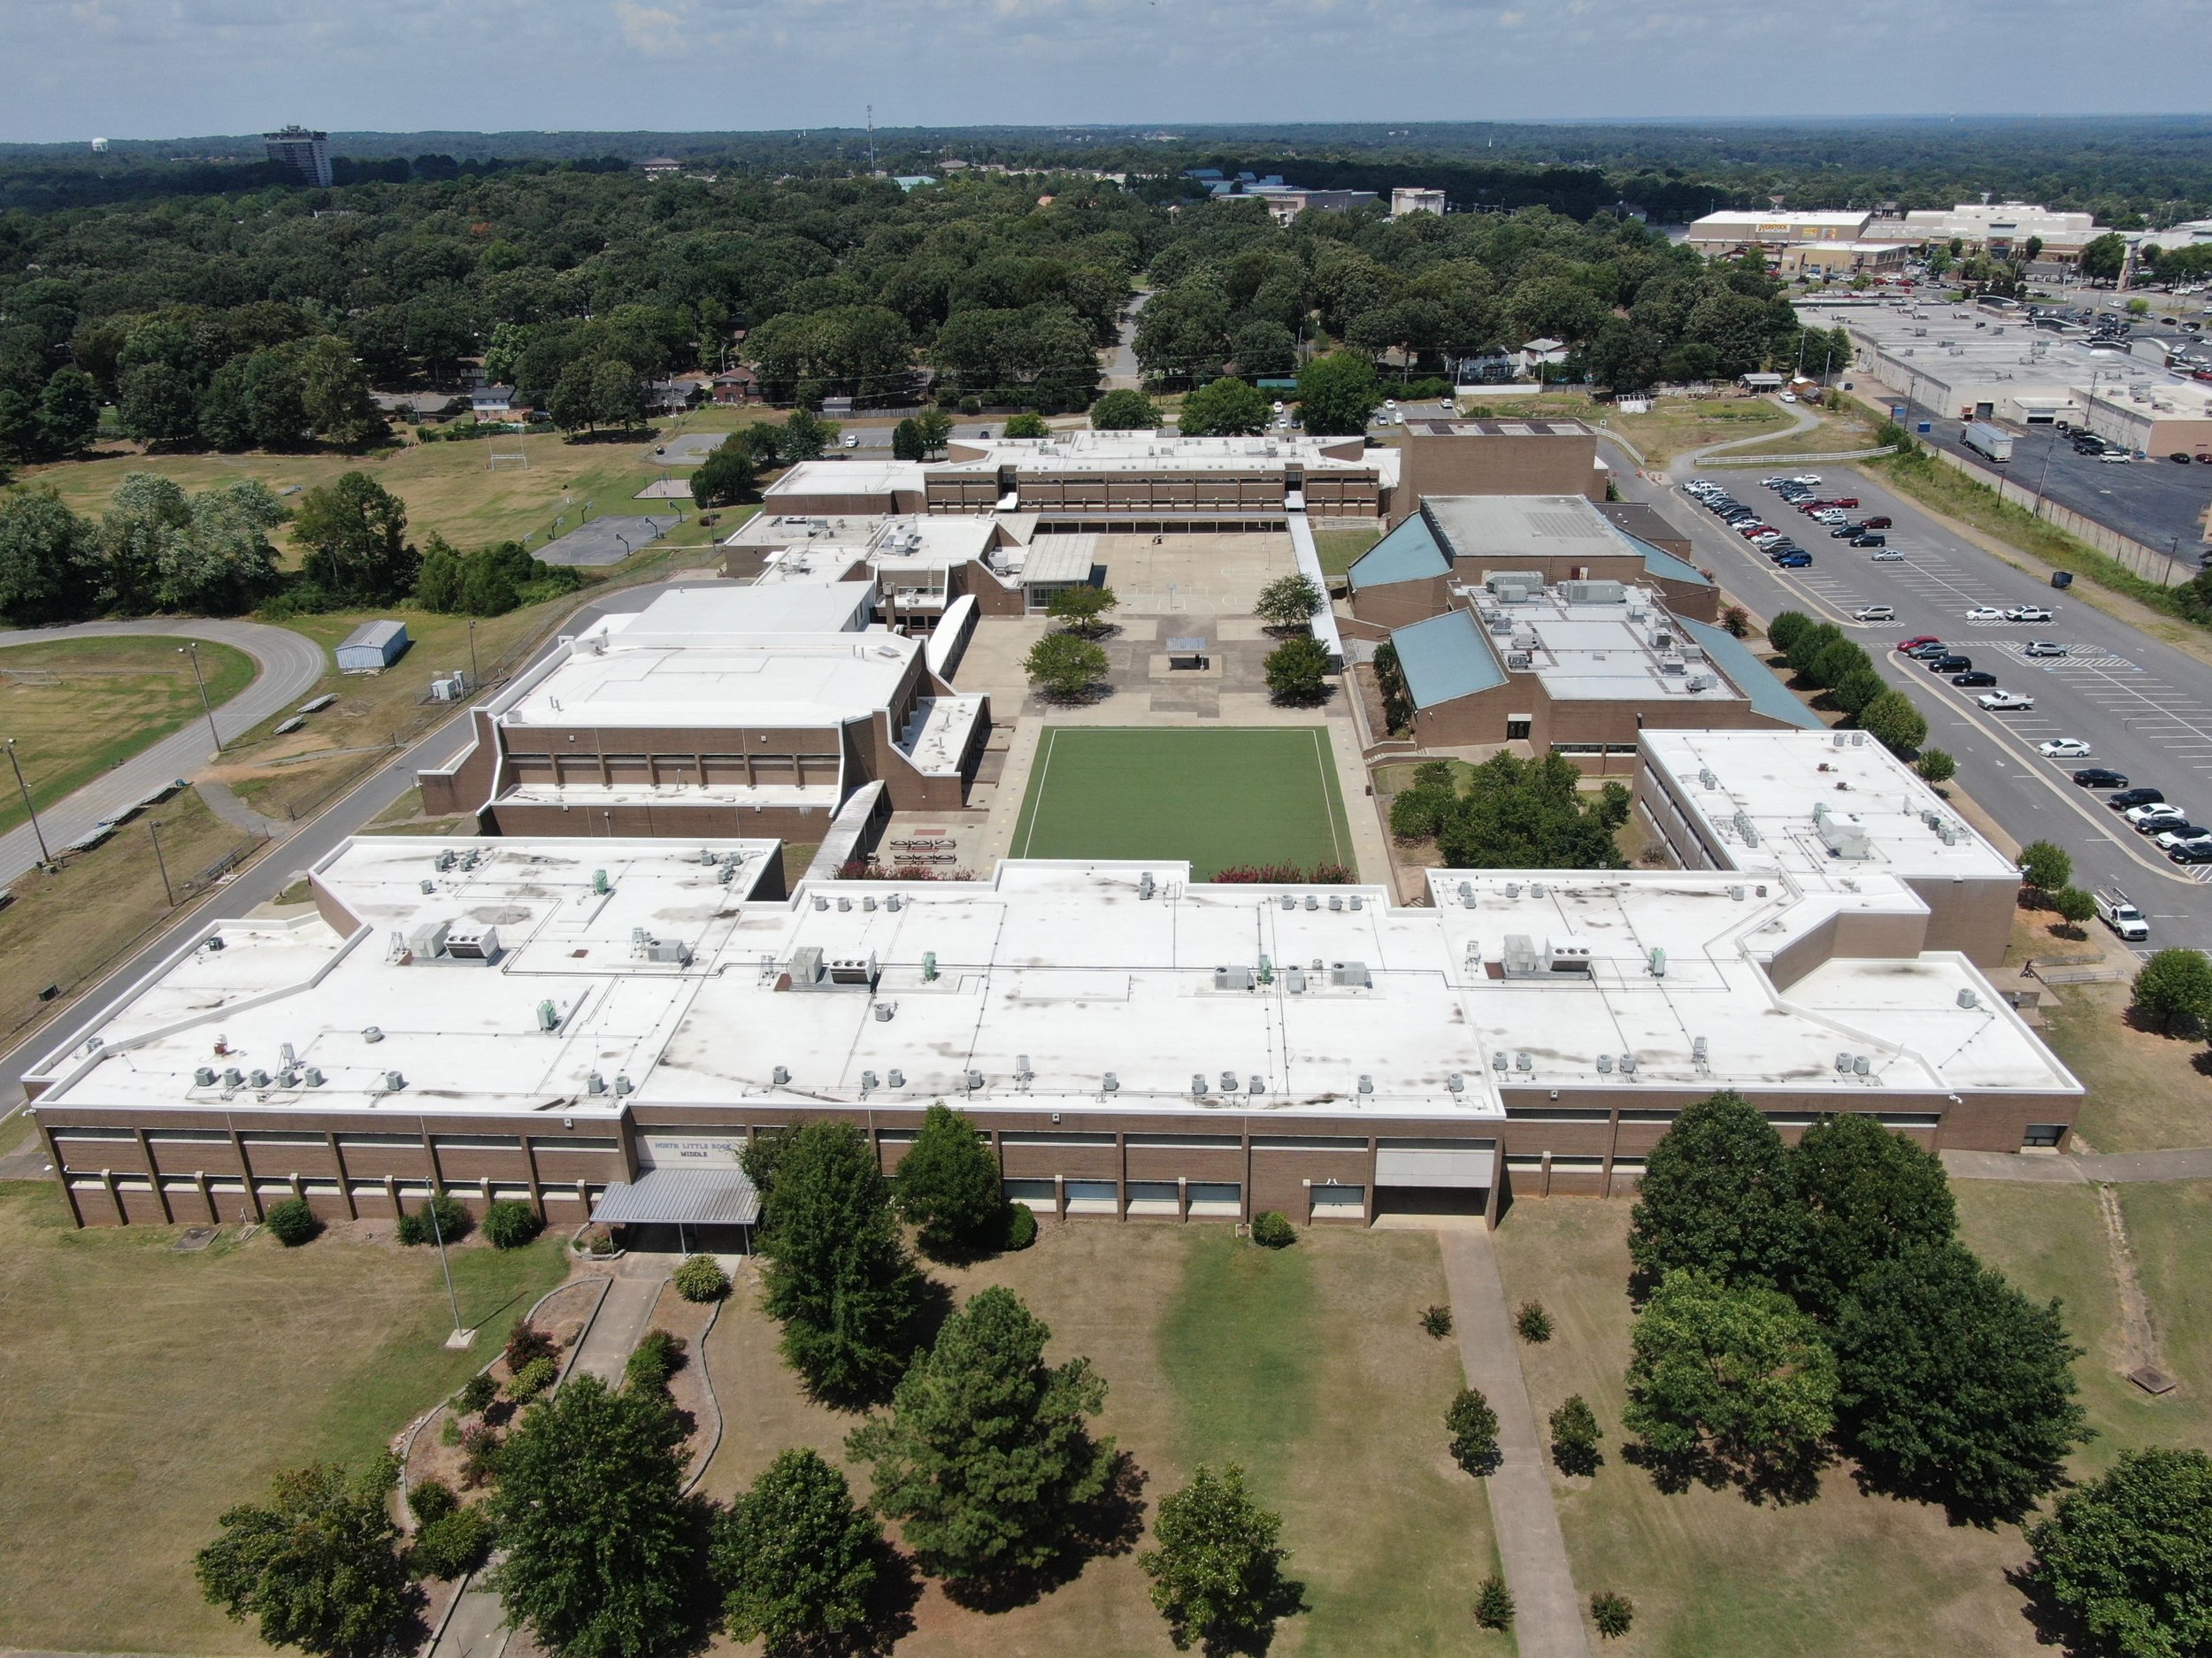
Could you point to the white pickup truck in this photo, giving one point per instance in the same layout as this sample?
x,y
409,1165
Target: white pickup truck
x,y
2116,911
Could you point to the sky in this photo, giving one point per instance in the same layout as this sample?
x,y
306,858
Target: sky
x,y
167,68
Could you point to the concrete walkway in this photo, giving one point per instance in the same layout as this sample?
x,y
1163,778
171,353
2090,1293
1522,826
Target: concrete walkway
x,y
2190,1163
224,803
1547,1611
625,1314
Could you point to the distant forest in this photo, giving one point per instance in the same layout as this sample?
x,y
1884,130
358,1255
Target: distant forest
x,y
2130,170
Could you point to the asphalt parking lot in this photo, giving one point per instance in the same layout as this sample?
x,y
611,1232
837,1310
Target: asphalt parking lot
x,y
2155,502
2145,708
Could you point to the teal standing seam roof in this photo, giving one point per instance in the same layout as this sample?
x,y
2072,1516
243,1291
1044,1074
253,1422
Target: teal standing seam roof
x,y
1445,657
1659,562
1409,552
1769,696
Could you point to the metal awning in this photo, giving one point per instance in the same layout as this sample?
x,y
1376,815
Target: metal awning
x,y
681,1197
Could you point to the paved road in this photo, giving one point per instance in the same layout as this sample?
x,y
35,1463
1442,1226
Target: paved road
x,y
290,664
1122,371
2145,707
272,873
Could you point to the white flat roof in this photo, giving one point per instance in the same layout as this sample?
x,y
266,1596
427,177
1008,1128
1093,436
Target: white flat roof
x,y
1029,989
699,615
1772,780
801,679
854,477
1605,651
1085,453
1497,529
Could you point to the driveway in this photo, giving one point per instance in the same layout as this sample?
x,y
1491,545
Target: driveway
x,y
291,665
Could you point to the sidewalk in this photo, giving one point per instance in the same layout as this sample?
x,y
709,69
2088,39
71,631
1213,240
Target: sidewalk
x,y
1548,1612
624,1316
2189,1163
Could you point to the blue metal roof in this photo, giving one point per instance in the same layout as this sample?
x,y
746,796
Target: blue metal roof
x,y
1769,696
1445,657
1659,562
1409,552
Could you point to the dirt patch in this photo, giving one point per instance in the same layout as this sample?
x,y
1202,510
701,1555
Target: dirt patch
x,y
690,1388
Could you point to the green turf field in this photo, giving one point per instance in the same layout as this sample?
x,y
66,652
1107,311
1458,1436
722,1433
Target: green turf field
x,y
1254,795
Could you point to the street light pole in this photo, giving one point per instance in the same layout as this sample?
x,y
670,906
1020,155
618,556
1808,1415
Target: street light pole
x,y
44,856
166,890
475,679
193,650
460,1336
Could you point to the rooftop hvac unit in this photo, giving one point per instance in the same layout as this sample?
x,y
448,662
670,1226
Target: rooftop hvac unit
x,y
1497,1059
1520,957
1568,955
393,1082
548,1016
1698,682
1861,1064
1843,837
897,1077
858,972
1146,886
594,1083
1698,1050
1232,978
670,952
1295,981
1628,1065
1467,893
1705,776
1455,1083
1605,1064
313,1075
1516,659
779,1075
806,966
427,942
474,944
1351,973
1523,1061
1658,962
205,1076
1109,1084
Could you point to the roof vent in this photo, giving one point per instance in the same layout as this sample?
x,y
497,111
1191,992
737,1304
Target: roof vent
x,y
314,1075
372,1034
205,1076
1366,1083
1605,1064
393,1082
1109,1084
897,1077
596,1084
1968,999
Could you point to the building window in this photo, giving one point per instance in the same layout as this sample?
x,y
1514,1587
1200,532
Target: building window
x,y
1216,1197
1154,1197
477,1142
1092,1197
1188,1143
1649,1116
1305,1142
1339,1202
1031,1137
2042,1135
1556,1114
1913,1119
379,1142
1036,1194
1517,727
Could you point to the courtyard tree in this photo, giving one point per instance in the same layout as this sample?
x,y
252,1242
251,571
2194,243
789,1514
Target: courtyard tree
x,y
798,1564
947,1185
986,1457
1718,1194
601,1548
317,1566
2128,1556
1529,815
1298,670
1226,408
2044,868
1337,393
1954,1387
725,477
1125,411
1082,608
1217,1572
1289,600
1892,721
838,1278
1868,1194
2075,907
2173,989
1065,667
1730,1383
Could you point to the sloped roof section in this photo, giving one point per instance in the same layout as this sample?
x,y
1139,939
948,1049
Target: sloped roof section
x,y
1768,695
1409,552
1445,657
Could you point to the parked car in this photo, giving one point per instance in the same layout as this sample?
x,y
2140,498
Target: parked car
x,y
2131,797
2118,911
2063,748
2005,702
2147,819
1950,664
1875,613
1870,538
1906,647
1984,613
2100,777
2181,834
1794,561
1974,681
1888,556
1879,521
2043,647
1922,653
2027,613
2192,852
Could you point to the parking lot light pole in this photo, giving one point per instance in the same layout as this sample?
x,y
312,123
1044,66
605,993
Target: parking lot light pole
x,y
167,891
45,858
460,1338
192,650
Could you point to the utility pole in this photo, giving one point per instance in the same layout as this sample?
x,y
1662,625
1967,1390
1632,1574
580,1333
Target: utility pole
x,y
193,650
167,891
45,858
871,140
475,679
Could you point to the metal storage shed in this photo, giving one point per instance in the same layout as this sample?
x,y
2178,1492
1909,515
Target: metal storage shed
x,y
373,646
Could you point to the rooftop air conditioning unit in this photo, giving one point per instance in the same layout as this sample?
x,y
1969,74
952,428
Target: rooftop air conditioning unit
x,y
856,970
474,944
1351,973
1232,978
1569,955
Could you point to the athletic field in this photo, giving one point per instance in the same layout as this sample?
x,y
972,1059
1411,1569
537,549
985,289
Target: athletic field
x,y
1264,795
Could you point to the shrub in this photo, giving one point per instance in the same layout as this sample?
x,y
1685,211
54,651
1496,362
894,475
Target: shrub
x,y
1494,1603
1271,1230
1021,1226
480,1455
476,1392
431,1500
1474,1430
1420,812
292,1222
532,1378
1936,766
450,1434
512,1223
1574,1438
654,1360
451,1546
701,1278
2173,989
2074,907
1298,670
1533,1321
1437,1321
1737,620
524,1342
1612,1613
453,1221
2044,867
1434,774
1788,628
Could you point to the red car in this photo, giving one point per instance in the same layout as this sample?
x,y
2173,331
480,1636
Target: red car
x,y
1846,501
1880,521
1751,529
1915,641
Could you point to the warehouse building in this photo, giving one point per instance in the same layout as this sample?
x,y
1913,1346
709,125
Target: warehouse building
x,y
716,711
1734,231
2001,229
598,1028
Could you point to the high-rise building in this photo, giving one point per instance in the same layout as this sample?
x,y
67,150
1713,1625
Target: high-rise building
x,y
307,152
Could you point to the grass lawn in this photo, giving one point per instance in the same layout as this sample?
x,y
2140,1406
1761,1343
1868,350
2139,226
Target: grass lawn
x,y
1307,1366
78,708
1261,795
144,1391
2146,1092
1339,549
1676,424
